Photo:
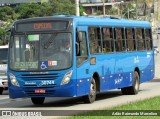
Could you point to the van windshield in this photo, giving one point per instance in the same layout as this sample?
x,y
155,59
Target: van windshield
x,y
3,55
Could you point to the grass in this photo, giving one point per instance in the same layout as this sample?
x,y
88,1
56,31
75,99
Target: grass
x,y
144,105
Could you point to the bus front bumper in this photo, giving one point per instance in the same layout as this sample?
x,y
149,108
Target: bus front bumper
x,y
61,91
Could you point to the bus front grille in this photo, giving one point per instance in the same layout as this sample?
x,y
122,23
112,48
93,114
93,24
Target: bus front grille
x,y
39,76
45,86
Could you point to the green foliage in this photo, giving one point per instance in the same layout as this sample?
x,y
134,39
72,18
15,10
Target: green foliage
x,y
112,11
27,10
131,8
147,104
62,7
81,9
99,12
44,10
1,33
1,43
6,13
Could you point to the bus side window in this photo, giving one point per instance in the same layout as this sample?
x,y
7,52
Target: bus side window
x,y
140,39
120,41
107,38
95,40
83,50
130,40
148,39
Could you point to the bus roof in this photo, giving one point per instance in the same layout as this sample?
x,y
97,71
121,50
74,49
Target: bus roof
x,y
109,21
93,20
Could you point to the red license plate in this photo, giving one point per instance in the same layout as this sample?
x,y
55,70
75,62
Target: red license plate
x,y
39,91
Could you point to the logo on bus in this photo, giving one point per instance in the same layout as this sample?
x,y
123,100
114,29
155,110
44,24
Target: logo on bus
x,y
44,65
30,83
119,80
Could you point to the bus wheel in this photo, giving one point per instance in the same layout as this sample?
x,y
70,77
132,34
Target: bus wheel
x,y
1,90
135,86
39,100
92,96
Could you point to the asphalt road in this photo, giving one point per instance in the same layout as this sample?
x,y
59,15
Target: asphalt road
x,y
105,100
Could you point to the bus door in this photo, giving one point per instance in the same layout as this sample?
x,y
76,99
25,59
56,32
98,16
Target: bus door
x,y
82,59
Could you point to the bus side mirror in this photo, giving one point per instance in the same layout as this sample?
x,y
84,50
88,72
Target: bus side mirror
x,y
5,36
79,36
77,49
78,41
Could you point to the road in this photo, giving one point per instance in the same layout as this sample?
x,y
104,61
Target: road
x,y
105,100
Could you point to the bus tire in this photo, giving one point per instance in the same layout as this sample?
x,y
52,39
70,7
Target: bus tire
x,y
38,100
1,90
90,98
132,90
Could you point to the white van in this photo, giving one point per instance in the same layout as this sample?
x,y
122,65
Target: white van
x,y
3,68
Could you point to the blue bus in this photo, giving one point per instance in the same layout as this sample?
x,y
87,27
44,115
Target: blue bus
x,y
70,56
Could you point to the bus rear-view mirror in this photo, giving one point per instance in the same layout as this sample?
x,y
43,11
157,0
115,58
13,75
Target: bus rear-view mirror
x,y
80,36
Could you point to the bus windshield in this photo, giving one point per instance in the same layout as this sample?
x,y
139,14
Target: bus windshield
x,y
37,52
3,55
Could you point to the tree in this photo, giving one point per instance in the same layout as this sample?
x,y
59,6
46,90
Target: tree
x,y
1,35
27,10
62,7
129,10
6,13
81,9
44,10
112,11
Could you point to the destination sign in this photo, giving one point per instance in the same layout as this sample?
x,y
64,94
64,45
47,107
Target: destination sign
x,y
41,26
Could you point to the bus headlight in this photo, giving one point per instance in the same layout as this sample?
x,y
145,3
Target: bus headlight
x,y
66,78
13,80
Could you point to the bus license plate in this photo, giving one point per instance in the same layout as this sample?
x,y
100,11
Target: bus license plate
x,y
39,91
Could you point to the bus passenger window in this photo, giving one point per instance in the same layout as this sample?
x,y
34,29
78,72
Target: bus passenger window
x,y
148,39
140,39
95,40
107,38
130,40
120,41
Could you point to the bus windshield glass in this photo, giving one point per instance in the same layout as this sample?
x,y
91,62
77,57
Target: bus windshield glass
x,y
3,55
37,52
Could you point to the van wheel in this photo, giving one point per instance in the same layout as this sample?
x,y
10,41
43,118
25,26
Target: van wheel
x,y
135,86
92,96
38,101
1,91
